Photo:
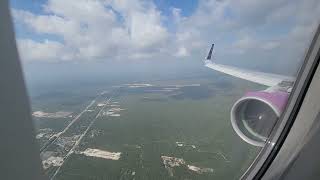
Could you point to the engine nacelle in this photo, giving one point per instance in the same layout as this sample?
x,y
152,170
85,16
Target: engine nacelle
x,y
254,115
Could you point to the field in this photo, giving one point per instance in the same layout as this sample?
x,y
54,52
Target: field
x,y
165,129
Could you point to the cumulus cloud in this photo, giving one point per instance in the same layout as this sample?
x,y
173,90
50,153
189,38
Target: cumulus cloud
x,y
37,51
276,31
247,31
92,30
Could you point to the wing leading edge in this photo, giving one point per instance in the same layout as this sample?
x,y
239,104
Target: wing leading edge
x,y
267,79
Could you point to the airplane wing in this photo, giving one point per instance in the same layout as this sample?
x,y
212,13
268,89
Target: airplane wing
x,y
267,79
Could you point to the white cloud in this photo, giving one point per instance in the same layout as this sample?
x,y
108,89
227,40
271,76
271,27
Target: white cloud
x,y
247,44
182,52
134,29
251,31
97,29
47,24
38,51
145,29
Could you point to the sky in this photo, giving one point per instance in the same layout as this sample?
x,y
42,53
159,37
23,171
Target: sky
x,y
122,35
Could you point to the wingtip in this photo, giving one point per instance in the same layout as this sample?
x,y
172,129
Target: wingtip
x,y
210,52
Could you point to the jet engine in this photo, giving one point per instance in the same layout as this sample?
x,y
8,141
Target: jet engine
x,y
254,115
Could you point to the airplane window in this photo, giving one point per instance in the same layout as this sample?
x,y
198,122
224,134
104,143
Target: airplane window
x,y
158,89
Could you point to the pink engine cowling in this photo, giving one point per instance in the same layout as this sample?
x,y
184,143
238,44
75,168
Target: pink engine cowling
x,y
254,115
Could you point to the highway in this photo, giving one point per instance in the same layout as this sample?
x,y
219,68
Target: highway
x,y
57,135
65,158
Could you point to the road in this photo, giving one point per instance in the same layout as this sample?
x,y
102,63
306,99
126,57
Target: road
x,y
65,158
57,135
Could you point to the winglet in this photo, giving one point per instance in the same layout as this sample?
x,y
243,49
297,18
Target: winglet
x,y
210,53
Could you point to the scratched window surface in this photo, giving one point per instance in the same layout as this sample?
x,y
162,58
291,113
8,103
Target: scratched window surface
x,y
158,89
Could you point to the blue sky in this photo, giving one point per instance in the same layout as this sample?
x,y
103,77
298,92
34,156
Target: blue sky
x,y
187,7
268,35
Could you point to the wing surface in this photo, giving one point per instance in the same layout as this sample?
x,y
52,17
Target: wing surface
x,y
267,79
